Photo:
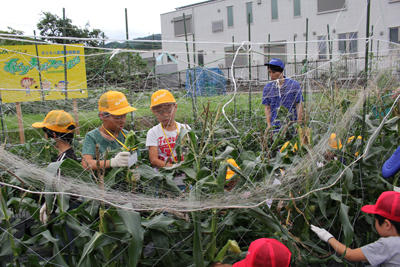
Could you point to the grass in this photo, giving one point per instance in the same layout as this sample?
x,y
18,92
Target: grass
x,y
144,119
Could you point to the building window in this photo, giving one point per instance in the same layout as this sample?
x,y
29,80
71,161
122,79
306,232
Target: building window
x,y
229,10
348,43
217,26
296,8
394,35
242,59
274,9
275,51
249,12
200,58
179,27
322,47
330,5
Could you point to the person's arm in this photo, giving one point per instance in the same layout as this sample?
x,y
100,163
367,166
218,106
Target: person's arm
x,y
88,162
268,116
154,160
350,254
120,160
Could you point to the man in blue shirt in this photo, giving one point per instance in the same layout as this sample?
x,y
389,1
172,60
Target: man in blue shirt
x,y
281,91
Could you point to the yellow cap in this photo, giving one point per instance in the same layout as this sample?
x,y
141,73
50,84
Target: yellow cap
x,y
114,103
229,172
58,121
334,142
160,97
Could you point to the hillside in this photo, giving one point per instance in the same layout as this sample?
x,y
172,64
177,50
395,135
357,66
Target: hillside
x,y
138,45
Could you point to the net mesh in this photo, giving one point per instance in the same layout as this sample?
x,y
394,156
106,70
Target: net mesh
x,y
229,125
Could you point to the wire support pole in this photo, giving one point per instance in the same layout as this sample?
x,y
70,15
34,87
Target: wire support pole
x,y
249,51
65,58
191,86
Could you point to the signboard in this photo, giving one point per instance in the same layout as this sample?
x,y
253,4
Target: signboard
x,y
35,73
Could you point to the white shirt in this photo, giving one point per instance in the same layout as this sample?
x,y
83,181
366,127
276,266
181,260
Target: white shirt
x,y
156,137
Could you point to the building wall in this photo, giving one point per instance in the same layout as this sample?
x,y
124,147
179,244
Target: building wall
x,y
384,14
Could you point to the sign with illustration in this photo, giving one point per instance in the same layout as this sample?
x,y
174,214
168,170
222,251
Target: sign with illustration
x,y
35,73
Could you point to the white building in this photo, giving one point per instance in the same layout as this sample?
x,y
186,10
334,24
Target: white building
x,y
214,24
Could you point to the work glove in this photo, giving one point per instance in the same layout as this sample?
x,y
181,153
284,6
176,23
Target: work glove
x,y
120,160
43,214
322,233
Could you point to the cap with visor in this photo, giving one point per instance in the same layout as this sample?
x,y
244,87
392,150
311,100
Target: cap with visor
x,y
57,121
115,103
387,206
275,62
161,96
266,252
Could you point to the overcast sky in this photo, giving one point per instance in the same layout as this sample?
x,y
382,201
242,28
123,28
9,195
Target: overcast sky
x,y
108,16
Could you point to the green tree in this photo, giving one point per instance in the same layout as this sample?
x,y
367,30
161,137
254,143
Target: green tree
x,y
53,26
15,39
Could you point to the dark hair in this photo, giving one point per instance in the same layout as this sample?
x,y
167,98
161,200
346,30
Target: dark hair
x,y
66,137
275,68
381,219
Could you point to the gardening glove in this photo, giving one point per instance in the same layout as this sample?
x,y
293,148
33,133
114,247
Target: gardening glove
x,y
120,160
322,233
43,214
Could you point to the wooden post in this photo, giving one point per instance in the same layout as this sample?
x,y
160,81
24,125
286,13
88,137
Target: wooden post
x,y
75,109
2,121
20,123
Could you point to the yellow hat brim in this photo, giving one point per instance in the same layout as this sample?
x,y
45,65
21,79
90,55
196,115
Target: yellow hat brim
x,y
122,111
51,127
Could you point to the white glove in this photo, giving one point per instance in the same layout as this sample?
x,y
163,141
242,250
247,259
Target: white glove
x,y
322,233
120,160
43,214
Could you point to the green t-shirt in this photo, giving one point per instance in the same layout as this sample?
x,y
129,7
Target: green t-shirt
x,y
94,137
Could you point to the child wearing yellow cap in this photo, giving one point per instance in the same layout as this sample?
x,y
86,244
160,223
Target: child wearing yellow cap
x,y
59,125
113,107
161,139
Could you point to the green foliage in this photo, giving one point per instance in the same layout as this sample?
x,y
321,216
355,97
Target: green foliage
x,y
105,236
53,26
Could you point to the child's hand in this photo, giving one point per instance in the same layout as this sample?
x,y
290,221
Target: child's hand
x,y
120,160
322,233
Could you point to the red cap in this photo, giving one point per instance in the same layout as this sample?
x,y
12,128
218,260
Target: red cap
x,y
387,205
266,252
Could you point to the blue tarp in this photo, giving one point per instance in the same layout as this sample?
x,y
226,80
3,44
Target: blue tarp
x,y
205,82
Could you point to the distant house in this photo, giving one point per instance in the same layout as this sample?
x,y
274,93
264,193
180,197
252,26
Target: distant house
x,y
214,24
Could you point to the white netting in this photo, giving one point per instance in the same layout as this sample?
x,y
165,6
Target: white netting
x,y
229,125
325,93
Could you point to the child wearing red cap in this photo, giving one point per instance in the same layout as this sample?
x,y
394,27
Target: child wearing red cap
x,y
264,252
385,251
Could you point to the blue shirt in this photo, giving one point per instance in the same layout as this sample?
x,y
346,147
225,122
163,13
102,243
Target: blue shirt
x,y
288,96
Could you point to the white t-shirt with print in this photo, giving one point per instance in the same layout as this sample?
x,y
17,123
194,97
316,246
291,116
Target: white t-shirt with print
x,y
155,137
